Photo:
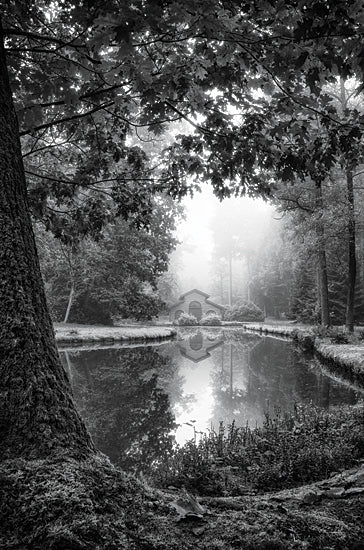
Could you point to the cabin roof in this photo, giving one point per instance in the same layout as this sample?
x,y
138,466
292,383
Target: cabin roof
x,y
196,290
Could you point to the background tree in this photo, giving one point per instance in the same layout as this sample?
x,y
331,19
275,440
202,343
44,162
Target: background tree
x,y
116,276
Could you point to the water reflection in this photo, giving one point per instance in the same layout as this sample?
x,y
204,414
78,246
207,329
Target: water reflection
x,y
132,399
198,346
118,395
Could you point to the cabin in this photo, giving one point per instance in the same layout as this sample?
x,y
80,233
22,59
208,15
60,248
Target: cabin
x,y
195,302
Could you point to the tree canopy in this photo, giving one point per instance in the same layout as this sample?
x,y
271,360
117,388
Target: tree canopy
x,y
249,78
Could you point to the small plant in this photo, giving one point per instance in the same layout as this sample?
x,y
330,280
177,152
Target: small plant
x,y
244,311
339,338
321,331
335,335
212,319
185,320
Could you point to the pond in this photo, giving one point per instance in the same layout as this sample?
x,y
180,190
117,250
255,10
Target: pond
x,y
137,401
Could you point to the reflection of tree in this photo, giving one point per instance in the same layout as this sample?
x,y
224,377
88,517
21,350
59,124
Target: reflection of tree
x,y
229,380
124,408
171,380
282,375
252,376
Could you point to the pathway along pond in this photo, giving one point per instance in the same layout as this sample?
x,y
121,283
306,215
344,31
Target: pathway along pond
x,y
138,400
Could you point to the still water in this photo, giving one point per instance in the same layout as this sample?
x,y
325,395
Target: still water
x,y
137,401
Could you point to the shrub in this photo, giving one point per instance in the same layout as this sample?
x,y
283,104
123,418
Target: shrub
x,y
185,320
211,319
305,338
337,336
288,450
340,338
88,310
244,311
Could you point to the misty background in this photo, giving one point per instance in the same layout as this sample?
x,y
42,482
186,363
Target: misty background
x,y
211,232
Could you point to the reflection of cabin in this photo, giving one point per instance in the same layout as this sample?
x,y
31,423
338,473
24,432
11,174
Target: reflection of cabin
x,y
198,347
195,303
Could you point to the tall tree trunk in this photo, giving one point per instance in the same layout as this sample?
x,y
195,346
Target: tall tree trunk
x,y
350,298
349,319
231,371
230,279
249,276
37,414
321,258
70,300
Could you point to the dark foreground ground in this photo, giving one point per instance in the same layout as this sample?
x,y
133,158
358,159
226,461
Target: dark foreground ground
x,y
88,504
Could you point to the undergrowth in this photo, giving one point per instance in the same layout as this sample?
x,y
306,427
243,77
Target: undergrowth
x,y
289,450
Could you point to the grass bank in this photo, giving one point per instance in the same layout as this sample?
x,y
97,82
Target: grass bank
x,y
75,334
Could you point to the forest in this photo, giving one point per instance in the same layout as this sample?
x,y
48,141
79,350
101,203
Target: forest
x,y
111,113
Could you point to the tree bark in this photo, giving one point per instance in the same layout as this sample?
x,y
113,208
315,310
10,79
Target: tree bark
x,y
321,258
37,414
350,303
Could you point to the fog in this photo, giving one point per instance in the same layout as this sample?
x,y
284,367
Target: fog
x,y
211,231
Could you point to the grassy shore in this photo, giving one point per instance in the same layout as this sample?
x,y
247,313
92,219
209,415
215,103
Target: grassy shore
x,y
75,334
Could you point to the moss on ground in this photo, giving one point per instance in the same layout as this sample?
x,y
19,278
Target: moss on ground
x,y
59,504
89,504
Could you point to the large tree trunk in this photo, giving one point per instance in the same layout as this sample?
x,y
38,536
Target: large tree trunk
x,y
321,259
37,414
349,320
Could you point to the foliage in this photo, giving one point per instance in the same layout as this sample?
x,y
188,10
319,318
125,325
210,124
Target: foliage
x,y
185,320
288,450
116,276
244,311
103,86
210,320
86,309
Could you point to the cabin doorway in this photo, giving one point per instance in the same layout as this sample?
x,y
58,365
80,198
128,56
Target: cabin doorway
x,y
195,309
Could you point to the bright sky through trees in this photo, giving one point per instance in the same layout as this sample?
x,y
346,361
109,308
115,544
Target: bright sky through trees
x,y
196,236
